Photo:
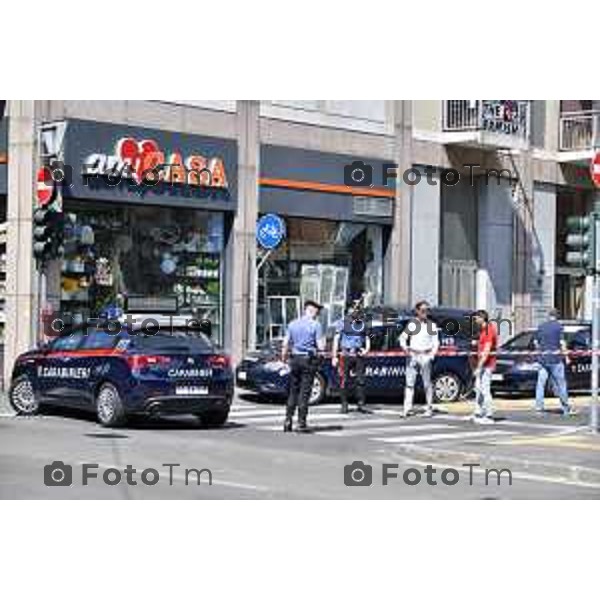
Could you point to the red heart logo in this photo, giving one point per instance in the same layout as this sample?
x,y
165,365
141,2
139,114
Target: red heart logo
x,y
134,154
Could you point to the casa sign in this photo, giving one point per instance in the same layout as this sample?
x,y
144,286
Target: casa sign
x,y
143,162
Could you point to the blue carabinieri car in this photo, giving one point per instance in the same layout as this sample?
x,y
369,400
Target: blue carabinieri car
x,y
262,372
171,369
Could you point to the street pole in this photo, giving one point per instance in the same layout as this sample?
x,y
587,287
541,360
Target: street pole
x,y
595,350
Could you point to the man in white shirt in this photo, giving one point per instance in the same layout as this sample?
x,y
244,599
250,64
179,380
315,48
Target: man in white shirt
x,y
420,341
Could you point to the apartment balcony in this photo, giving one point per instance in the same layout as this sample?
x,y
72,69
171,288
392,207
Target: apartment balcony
x,y
578,136
486,124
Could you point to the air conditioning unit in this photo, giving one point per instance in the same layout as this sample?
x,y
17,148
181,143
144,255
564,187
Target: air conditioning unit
x,y
371,206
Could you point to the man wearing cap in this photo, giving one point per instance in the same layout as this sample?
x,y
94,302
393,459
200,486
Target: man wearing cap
x,y
303,340
350,345
550,342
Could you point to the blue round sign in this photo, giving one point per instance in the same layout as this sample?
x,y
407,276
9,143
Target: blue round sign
x,y
270,231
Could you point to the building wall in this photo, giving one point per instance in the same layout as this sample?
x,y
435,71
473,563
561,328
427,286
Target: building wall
x,y
425,248
543,263
496,244
382,130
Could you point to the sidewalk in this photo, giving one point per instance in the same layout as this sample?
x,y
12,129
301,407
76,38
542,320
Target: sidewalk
x,y
5,407
514,405
550,446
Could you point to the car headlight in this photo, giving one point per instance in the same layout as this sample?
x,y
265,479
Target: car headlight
x,y
277,366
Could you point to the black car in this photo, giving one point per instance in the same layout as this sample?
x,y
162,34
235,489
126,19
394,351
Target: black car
x,y
517,365
173,370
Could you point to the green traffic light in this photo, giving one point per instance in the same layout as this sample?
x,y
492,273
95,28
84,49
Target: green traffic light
x,y
579,223
581,240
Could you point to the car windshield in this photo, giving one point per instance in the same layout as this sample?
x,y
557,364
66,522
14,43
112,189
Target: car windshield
x,y
523,341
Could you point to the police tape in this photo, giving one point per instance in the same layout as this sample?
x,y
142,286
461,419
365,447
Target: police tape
x,y
451,352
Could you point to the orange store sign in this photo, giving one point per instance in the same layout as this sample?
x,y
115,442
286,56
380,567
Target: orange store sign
x,y
145,163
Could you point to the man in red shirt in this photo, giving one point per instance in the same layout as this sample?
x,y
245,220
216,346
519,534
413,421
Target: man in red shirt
x,y
487,346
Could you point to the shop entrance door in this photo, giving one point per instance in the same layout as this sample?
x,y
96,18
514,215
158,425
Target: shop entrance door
x,y
282,311
328,285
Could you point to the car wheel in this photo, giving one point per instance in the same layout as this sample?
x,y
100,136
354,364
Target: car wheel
x,y
317,394
447,387
22,396
109,407
214,418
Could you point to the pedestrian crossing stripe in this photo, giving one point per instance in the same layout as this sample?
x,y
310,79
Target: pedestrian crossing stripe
x,y
391,428
409,439
385,425
311,417
349,424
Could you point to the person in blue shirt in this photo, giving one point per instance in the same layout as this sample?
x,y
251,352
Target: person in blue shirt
x,y
350,345
301,345
550,343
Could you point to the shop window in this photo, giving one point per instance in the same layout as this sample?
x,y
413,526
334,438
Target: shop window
x,y
282,310
154,256
326,261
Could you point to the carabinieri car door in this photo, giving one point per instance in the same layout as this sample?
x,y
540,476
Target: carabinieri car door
x,y
385,365
57,371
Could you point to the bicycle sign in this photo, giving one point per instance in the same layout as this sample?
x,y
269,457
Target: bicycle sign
x,y
270,231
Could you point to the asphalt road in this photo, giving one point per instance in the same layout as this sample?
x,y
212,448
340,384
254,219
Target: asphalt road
x,y
251,458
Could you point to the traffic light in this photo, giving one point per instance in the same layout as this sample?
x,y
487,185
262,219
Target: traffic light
x,y
47,234
582,241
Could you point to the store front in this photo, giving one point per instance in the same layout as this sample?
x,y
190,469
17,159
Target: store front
x,y
147,223
335,238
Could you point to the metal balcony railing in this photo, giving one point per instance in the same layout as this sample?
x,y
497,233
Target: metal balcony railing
x,y
506,117
579,131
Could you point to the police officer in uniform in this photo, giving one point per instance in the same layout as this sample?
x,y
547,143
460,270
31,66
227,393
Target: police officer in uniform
x,y
303,340
350,345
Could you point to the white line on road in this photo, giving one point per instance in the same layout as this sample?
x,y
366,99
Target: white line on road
x,y
515,474
511,422
391,428
311,417
443,436
249,412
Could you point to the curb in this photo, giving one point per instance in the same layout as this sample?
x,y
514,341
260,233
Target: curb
x,y
6,409
512,405
567,473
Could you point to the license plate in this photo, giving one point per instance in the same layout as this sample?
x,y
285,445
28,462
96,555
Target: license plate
x,y
191,390
497,377
242,376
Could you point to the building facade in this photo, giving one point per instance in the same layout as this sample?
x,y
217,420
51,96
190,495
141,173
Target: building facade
x,y
466,207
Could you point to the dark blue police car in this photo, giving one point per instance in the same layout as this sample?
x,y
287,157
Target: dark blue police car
x,y
517,366
262,372
171,369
